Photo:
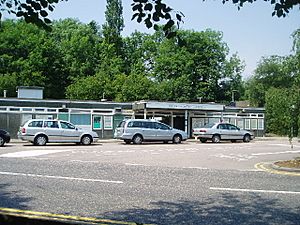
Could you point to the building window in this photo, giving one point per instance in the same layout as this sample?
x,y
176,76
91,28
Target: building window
x,y
97,122
108,122
247,124
253,124
260,124
81,119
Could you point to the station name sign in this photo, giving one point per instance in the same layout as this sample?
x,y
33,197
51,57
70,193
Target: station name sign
x,y
184,106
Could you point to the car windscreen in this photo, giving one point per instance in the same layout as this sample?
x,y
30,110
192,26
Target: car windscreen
x,y
122,124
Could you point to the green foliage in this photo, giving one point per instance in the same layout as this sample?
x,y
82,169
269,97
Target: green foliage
x,y
276,86
273,71
73,57
114,24
282,111
30,58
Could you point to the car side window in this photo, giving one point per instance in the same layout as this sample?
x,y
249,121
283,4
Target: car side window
x,y
148,125
51,124
223,126
35,124
161,126
65,125
137,124
231,127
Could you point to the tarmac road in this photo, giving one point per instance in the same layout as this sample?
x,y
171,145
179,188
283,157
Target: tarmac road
x,y
190,183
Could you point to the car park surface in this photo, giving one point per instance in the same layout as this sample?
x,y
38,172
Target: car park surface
x,y
152,183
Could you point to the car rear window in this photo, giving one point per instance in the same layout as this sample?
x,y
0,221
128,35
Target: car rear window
x,y
208,125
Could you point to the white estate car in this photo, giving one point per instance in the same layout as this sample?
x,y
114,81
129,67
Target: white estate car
x,y
140,130
41,131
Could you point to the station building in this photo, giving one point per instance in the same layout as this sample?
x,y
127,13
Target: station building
x,y
104,117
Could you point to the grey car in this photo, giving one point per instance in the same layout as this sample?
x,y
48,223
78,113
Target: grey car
x,y
222,131
140,130
39,132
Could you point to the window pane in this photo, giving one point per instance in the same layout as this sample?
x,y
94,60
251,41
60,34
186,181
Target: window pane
x,y
81,119
108,122
97,122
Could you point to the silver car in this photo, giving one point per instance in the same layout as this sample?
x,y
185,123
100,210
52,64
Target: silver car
x,y
40,131
222,131
140,130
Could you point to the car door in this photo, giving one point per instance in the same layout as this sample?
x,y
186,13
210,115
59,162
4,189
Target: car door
x,y
148,131
69,133
163,131
234,132
223,130
51,129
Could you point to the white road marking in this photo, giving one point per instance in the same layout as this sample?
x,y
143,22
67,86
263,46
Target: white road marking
x,y
253,190
59,177
286,145
275,153
195,167
32,153
134,164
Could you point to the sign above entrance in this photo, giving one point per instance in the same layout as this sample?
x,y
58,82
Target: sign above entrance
x,y
185,106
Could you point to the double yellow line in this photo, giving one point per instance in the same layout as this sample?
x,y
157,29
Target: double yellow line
x,y
261,166
59,217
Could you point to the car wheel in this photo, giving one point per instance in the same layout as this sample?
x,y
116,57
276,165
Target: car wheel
x,y
86,140
247,138
203,140
2,142
177,139
127,142
216,138
40,140
137,139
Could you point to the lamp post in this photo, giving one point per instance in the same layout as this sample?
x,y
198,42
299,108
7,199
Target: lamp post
x,y
232,95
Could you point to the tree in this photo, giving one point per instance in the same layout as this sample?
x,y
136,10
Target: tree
x,y
29,57
273,71
114,24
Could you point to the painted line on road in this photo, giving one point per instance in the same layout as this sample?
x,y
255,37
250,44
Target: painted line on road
x,y
253,190
196,167
60,177
32,153
261,166
60,217
134,164
274,153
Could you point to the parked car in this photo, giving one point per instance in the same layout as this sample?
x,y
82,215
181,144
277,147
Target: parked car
x,y
222,131
140,130
40,132
4,137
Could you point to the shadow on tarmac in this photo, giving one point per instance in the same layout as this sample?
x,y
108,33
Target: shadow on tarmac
x,y
223,209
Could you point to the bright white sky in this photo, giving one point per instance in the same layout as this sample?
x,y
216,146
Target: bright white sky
x,y
252,32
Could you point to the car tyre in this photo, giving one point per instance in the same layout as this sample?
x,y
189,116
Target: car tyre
x,y
203,140
86,140
216,138
137,139
177,139
246,138
2,142
40,140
